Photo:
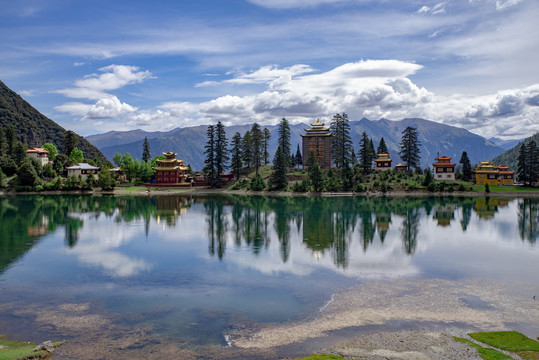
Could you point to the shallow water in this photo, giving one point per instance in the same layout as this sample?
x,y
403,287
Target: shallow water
x,y
173,275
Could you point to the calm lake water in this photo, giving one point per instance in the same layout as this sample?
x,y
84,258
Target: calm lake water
x,y
187,269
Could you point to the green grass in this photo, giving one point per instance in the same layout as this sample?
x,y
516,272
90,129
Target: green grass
x,y
507,340
505,189
19,350
485,353
322,357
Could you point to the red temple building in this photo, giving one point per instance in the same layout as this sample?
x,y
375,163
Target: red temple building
x,y
170,170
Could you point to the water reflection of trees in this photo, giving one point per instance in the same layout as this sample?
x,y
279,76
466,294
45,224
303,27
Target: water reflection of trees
x,y
528,220
324,225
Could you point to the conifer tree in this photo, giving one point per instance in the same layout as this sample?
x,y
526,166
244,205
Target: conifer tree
x,y
371,150
146,155
236,155
315,174
382,147
365,154
209,169
299,158
466,166
342,142
267,137
284,139
409,145
247,151
528,163
221,152
257,146
278,180
70,142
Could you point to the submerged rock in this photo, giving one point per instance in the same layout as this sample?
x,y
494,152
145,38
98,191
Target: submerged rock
x,y
47,346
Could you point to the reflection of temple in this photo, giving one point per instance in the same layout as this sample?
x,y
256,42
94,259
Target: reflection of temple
x,y
170,208
487,207
41,229
444,214
318,141
382,224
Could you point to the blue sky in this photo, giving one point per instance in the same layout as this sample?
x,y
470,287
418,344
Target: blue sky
x,y
96,66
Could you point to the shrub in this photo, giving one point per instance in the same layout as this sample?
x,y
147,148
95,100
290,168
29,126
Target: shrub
x,y
360,187
257,183
487,188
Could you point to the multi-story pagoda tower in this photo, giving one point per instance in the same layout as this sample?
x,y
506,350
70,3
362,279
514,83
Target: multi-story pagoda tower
x,y
318,141
170,170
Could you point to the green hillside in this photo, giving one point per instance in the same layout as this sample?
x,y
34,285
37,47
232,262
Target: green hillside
x,y
30,124
509,158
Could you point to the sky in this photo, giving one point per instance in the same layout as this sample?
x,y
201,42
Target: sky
x,y
96,66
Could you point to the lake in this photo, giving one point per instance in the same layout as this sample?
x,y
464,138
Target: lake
x,y
189,276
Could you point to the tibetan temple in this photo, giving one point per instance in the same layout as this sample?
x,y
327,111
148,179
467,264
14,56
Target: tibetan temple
x,y
383,162
170,170
444,169
318,141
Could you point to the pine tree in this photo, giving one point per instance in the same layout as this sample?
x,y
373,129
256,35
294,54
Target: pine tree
x,y
409,152
371,150
209,169
146,155
466,166
284,139
278,180
528,163
382,148
315,174
365,155
267,137
246,150
533,159
257,146
236,155
342,142
299,158
70,142
221,152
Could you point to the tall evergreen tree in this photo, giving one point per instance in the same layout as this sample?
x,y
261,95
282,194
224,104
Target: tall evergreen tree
x,y
371,150
299,158
284,139
382,147
70,142
278,180
315,174
528,163
365,154
247,149
236,155
146,155
221,152
466,166
210,155
409,145
342,142
267,137
257,146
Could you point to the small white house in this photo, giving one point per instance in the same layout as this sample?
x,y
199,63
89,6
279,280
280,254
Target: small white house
x,y
40,154
82,169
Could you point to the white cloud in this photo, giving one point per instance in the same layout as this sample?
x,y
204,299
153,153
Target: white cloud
x,y
503,4
106,108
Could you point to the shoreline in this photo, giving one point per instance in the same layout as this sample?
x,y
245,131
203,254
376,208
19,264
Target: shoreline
x,y
119,191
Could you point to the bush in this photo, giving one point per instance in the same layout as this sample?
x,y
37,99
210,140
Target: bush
x,y
360,187
487,188
106,180
432,187
461,187
257,183
240,185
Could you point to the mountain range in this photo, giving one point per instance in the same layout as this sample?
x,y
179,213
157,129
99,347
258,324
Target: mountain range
x,y
435,138
33,128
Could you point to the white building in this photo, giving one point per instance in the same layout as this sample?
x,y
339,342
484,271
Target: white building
x,y
40,154
82,169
